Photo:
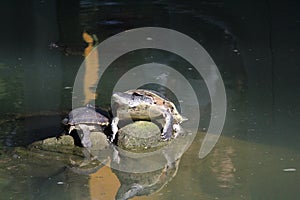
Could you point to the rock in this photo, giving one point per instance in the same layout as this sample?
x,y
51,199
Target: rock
x,y
63,146
140,136
99,140
65,140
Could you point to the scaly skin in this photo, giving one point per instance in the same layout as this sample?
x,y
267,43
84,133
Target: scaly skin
x,y
145,105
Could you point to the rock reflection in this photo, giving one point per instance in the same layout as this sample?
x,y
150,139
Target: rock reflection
x,y
223,168
103,184
144,184
132,184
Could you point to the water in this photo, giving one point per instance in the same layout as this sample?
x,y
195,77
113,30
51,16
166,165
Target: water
x,y
254,44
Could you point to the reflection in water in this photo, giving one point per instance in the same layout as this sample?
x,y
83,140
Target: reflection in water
x,y
103,184
223,167
140,185
91,67
2,89
91,64
108,183
225,174
11,94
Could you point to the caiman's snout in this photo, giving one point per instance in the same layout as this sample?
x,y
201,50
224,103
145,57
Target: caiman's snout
x,y
121,98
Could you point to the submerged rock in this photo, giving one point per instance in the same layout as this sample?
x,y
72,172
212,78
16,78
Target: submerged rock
x,y
140,136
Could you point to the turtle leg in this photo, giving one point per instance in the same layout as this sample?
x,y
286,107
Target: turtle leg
x,y
168,128
85,136
114,128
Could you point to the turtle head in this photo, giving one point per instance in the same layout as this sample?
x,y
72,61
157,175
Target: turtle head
x,y
65,121
121,98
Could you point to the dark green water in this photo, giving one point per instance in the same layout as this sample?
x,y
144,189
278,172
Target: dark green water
x,y
254,44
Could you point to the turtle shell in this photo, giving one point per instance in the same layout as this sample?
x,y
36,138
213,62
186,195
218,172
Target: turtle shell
x,y
86,115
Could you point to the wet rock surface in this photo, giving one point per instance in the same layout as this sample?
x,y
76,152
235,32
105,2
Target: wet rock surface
x,y
137,137
140,136
53,158
65,140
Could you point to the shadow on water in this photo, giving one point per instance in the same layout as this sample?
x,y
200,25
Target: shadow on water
x,y
21,131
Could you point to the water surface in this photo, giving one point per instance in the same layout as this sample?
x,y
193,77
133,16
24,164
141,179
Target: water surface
x,y
254,44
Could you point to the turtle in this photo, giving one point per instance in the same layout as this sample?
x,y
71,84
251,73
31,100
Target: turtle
x,y
86,119
143,104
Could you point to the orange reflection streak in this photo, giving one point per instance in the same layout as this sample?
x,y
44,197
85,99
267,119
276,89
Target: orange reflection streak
x,y
223,167
104,184
91,68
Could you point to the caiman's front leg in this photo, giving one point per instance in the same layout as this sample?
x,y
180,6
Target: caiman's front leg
x,y
114,128
168,128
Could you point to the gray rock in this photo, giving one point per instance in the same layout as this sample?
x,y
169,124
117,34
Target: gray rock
x,y
65,140
140,136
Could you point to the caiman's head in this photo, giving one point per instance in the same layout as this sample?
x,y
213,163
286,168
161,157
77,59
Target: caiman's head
x,y
130,100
